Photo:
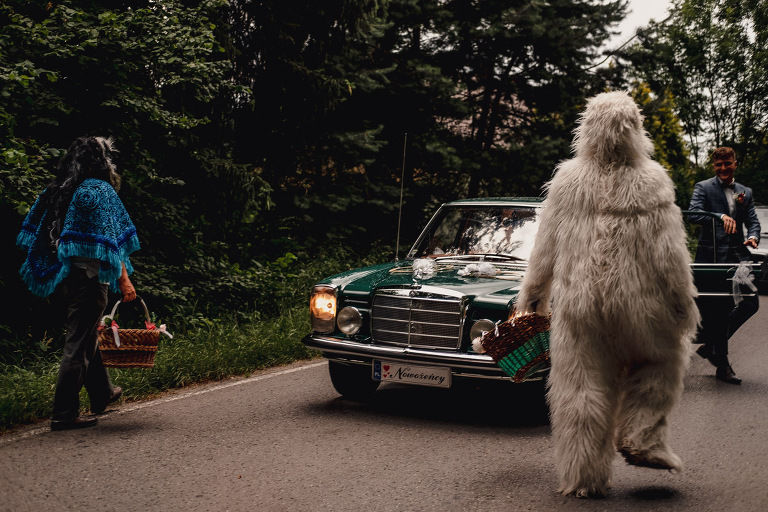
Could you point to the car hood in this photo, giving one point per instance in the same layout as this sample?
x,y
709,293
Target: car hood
x,y
483,289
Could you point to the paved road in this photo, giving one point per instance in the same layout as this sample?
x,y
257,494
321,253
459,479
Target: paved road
x,y
284,441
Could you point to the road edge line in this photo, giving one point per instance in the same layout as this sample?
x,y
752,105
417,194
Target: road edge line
x,y
18,436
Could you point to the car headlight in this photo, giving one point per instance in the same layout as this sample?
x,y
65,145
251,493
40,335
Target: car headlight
x,y
322,308
481,327
349,320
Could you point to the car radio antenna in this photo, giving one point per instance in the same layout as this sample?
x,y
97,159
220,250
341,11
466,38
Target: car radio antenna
x,y
400,209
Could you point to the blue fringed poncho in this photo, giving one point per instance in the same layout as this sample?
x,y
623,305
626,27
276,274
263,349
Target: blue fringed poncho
x,y
96,226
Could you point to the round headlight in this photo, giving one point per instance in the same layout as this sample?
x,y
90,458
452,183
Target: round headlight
x,y
322,308
349,320
481,327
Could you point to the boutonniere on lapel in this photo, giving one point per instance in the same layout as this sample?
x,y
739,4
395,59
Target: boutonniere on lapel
x,y
740,198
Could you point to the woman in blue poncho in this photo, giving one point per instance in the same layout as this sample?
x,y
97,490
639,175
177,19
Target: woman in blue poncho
x,y
78,237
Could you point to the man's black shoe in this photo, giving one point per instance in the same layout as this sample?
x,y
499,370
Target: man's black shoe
x,y
726,374
117,392
79,422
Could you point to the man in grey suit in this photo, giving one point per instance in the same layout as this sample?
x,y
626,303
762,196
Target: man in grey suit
x,y
735,204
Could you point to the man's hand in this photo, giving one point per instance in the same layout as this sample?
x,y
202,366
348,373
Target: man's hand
x,y
751,242
729,224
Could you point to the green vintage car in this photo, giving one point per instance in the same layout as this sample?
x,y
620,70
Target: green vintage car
x,y
413,321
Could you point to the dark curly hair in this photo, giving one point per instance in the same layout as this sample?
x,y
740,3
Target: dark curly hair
x,y
87,157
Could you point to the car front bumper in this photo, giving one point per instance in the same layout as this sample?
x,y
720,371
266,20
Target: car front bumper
x,y
473,366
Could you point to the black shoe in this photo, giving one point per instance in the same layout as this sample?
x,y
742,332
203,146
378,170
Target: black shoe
x,y
726,374
79,422
117,392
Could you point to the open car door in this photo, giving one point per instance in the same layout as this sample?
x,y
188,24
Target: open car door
x,y
715,281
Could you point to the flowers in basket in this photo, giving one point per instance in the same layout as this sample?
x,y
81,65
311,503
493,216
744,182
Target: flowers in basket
x,y
129,348
107,322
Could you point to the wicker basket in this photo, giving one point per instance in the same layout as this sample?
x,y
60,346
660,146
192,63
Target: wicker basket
x,y
137,346
520,346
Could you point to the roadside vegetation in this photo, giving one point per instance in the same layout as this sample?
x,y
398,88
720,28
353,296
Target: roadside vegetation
x,y
201,349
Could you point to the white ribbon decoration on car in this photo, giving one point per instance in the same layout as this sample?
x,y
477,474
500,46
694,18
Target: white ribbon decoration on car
x,y
423,268
742,276
478,270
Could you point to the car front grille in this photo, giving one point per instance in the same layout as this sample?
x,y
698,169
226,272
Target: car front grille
x,y
417,319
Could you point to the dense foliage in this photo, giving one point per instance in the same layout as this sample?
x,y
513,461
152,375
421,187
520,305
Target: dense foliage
x,y
254,133
156,77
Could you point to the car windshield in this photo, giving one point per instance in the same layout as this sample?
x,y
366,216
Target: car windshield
x,y
468,232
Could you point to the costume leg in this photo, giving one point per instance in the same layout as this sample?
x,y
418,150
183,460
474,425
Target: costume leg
x,y
582,398
650,391
84,296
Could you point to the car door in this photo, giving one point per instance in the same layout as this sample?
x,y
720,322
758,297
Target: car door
x,y
714,281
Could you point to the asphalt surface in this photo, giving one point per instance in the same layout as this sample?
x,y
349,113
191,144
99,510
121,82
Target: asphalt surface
x,y
283,440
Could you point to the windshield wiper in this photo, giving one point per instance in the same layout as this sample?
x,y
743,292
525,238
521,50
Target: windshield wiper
x,y
502,257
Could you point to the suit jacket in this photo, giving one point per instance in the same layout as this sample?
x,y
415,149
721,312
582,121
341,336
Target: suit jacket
x,y
709,196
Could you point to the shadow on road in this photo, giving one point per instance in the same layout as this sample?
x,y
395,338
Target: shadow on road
x,y
485,404
655,494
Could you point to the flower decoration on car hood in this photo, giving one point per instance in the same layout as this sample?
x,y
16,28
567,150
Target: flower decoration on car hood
x,y
423,268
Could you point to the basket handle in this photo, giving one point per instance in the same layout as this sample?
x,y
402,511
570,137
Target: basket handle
x,y
146,311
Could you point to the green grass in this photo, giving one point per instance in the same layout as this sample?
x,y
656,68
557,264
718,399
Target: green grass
x,y
219,349
26,393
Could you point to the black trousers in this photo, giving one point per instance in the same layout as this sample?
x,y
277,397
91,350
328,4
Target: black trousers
x,y
720,320
81,363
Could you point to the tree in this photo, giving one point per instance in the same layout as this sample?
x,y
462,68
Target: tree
x,y
670,150
711,57
304,61
489,91
524,70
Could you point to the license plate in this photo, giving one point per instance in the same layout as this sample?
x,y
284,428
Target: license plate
x,y
410,374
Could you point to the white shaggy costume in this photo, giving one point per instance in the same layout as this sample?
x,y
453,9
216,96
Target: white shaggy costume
x,y
611,255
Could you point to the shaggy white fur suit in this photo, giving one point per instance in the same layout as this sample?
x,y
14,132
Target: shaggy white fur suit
x,y
611,257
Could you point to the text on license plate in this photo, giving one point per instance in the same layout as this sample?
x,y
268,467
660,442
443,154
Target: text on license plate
x,y
410,374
